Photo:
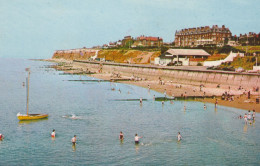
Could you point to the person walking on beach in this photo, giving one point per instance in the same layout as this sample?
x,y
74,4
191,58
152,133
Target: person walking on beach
x,y
73,140
53,134
179,137
121,136
137,139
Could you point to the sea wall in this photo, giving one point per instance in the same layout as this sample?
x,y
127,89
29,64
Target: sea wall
x,y
195,77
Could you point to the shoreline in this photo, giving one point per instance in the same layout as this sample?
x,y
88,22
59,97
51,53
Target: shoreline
x,y
240,98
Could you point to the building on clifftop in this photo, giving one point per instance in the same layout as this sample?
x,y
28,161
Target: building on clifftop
x,y
148,41
202,36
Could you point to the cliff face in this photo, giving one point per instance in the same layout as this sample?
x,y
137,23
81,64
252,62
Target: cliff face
x,y
120,56
72,55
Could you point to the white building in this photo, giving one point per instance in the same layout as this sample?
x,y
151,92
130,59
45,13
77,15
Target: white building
x,y
185,57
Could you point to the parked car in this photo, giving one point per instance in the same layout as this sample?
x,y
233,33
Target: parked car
x,y
175,63
240,69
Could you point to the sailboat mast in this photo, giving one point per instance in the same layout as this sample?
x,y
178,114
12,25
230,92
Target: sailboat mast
x,y
28,80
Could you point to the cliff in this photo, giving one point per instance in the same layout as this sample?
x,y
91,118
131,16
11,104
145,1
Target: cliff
x,y
115,55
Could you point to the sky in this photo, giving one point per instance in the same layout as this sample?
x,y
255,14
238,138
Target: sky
x,y
36,28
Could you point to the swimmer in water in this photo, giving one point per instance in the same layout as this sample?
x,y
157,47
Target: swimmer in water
x,y
53,133
121,136
1,137
137,139
205,107
179,137
73,140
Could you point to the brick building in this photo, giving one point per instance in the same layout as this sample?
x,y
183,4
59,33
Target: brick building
x,y
148,41
127,40
202,36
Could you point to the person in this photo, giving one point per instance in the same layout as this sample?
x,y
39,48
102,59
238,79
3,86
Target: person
x,y
137,139
162,102
179,137
73,140
205,107
121,136
184,108
1,137
253,114
245,118
153,97
165,94
249,117
141,100
239,117
53,133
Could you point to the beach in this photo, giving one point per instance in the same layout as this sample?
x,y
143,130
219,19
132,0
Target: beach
x,y
210,93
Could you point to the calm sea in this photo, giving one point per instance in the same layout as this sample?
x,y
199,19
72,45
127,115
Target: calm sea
x,y
210,137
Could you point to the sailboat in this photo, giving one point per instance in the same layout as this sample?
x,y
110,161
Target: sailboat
x,y
30,116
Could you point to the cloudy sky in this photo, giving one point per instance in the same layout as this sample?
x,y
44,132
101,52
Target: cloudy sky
x,y
36,28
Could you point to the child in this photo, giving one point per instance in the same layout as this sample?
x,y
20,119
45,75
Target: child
x,y
53,133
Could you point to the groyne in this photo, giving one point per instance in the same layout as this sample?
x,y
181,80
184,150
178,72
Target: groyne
x,y
187,76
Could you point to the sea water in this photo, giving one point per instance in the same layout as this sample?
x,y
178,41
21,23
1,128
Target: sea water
x,y
97,114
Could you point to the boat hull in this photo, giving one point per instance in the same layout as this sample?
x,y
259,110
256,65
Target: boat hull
x,y
32,116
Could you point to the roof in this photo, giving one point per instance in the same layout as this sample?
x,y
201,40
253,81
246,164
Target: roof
x,y
191,52
150,38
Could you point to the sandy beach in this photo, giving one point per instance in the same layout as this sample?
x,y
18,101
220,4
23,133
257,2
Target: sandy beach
x,y
239,100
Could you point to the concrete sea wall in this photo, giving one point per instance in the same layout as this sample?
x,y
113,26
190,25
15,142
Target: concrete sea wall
x,y
195,77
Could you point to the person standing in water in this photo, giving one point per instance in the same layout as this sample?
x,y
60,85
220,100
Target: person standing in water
x,y
73,140
245,118
121,136
253,115
137,139
141,100
179,137
53,134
